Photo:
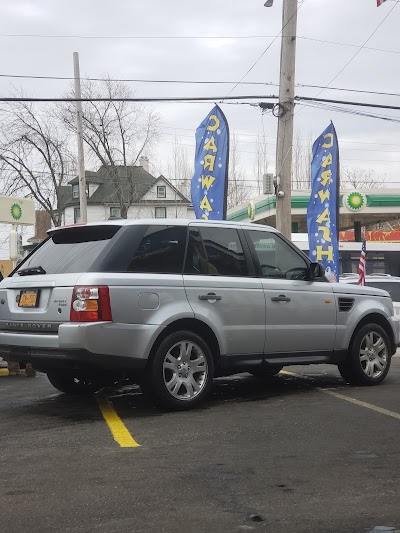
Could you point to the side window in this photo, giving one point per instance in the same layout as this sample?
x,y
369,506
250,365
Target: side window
x,y
215,252
277,259
160,251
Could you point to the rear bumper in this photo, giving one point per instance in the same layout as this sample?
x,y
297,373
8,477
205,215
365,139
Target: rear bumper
x,y
45,360
104,344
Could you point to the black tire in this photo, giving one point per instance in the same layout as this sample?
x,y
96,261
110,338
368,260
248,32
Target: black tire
x,y
354,370
77,385
267,372
158,376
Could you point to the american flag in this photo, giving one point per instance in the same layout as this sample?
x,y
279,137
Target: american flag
x,y
380,2
362,264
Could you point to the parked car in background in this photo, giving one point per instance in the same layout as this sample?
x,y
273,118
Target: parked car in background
x,y
388,283
174,303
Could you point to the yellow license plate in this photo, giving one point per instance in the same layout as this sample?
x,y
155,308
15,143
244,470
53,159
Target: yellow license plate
x,y
28,298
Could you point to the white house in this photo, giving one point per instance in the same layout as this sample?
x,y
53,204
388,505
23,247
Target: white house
x,y
153,197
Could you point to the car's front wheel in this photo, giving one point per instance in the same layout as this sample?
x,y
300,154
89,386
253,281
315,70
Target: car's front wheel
x,y
182,370
369,357
70,383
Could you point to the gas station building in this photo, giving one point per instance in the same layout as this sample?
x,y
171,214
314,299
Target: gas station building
x,y
358,209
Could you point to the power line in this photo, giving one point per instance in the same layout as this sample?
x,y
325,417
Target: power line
x,y
327,107
359,49
302,139
138,37
333,108
200,99
195,82
183,82
345,102
191,99
266,50
359,91
294,145
185,37
245,180
351,45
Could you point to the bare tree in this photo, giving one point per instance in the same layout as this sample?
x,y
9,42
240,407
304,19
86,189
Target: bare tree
x,y
360,178
301,165
179,169
116,133
34,156
261,161
239,189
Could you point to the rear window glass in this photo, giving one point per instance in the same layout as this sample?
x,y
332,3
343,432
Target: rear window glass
x,y
144,249
160,251
392,288
70,250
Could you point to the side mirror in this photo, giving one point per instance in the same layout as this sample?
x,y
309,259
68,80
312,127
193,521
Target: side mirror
x,y
316,270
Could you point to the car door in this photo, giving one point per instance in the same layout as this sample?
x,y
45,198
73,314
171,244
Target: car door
x,y
300,314
223,291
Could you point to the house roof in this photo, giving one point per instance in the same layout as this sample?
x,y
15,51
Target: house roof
x,y
178,194
65,194
106,193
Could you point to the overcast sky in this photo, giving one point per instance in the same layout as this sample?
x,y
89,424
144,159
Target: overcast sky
x,y
341,21
215,59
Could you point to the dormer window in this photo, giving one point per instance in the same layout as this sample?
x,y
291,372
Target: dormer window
x,y
161,191
75,191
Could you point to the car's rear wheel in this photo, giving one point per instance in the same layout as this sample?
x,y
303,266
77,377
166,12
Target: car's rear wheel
x,y
75,384
369,357
266,372
181,373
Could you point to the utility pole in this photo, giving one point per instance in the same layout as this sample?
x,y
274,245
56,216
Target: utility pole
x,y
285,118
79,129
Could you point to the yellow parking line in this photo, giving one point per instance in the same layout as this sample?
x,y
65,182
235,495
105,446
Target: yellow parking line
x,y
362,404
117,427
367,405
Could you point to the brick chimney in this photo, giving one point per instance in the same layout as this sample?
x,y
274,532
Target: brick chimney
x,y
42,224
145,163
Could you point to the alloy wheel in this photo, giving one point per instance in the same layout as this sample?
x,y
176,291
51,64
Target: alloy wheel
x,y
185,370
373,354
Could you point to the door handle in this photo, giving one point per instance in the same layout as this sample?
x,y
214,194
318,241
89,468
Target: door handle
x,y
211,296
280,298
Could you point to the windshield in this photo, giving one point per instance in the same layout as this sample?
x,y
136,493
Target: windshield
x,y
70,250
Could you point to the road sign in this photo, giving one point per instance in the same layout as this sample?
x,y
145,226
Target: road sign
x,y
17,210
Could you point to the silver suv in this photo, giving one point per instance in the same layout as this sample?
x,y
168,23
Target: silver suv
x,y
170,304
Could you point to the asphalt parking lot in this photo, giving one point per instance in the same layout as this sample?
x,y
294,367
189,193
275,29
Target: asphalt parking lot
x,y
304,453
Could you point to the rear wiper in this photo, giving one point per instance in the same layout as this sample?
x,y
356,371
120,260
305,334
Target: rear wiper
x,y
31,271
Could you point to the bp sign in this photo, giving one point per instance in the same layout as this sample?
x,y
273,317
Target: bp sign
x,y
17,210
251,210
355,201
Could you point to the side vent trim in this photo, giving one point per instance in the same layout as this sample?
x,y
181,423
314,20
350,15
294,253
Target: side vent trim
x,y
346,304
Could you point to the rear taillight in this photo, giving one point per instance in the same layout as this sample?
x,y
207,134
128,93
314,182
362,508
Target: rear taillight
x,y
90,304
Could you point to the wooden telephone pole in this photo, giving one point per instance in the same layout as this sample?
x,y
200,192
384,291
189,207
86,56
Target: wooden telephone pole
x,y
79,129
285,117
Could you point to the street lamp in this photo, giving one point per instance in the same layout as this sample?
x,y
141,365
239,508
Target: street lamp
x,y
269,3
